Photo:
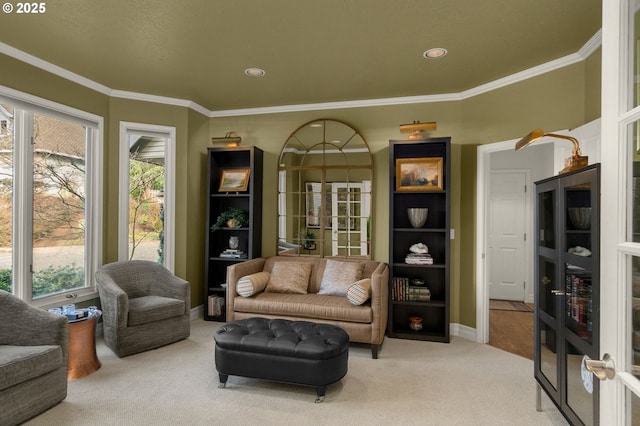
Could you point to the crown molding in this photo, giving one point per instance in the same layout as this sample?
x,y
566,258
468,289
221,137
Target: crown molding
x,y
53,69
585,51
123,94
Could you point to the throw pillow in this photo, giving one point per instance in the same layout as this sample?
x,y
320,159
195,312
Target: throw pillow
x,y
289,277
252,284
338,277
360,291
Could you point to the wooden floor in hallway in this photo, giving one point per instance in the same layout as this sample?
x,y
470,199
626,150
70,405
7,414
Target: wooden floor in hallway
x,y
512,331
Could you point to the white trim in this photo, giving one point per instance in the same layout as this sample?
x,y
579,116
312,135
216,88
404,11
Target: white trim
x,y
22,250
592,44
169,188
159,100
482,177
614,289
463,331
196,313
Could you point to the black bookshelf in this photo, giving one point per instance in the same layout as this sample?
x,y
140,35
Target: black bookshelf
x,y
408,297
217,241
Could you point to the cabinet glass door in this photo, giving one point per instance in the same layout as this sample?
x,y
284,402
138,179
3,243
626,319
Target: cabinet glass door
x,y
580,269
546,219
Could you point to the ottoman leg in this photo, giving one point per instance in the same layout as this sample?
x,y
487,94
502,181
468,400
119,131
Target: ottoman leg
x,y
320,391
223,380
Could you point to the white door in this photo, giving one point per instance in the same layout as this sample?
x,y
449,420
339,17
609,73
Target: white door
x,y
620,213
507,234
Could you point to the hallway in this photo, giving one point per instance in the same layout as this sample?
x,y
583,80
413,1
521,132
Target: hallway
x,y
512,331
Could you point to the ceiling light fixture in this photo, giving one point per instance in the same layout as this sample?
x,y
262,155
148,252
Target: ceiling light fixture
x,y
435,52
416,128
255,72
575,162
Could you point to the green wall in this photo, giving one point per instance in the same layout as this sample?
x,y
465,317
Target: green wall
x,y
564,98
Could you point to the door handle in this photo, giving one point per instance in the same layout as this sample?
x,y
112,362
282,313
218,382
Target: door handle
x,y
603,368
558,292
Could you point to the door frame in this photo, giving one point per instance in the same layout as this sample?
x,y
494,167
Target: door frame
x,y
528,273
482,201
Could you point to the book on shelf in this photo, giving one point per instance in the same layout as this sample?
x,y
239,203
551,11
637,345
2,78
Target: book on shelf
x,y
233,254
419,259
579,299
403,291
215,305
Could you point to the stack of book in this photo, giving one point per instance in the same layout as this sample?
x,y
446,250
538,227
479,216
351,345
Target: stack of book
x,y
233,254
419,294
215,305
418,259
402,291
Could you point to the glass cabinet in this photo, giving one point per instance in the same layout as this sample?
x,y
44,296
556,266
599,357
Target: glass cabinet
x,y
567,291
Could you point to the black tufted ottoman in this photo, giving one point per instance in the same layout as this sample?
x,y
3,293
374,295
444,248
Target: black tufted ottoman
x,y
298,352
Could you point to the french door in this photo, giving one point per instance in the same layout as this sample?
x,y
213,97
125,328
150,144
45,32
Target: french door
x,y
620,220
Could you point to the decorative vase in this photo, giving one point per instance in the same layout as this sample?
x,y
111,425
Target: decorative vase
x,y
233,242
232,223
415,323
580,217
417,216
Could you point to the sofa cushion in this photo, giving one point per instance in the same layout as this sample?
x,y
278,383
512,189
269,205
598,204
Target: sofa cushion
x,y
359,292
311,306
339,276
146,309
21,363
252,284
289,277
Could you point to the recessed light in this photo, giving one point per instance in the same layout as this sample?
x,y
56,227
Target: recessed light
x,y
255,72
436,52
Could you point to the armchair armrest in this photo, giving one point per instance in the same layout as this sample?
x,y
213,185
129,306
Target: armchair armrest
x,y
115,302
234,273
379,301
24,325
168,285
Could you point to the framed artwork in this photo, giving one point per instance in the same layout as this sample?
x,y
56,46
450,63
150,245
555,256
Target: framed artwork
x,y
234,180
419,174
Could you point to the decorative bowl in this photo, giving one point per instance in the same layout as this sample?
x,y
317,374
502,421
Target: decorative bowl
x,y
580,217
417,216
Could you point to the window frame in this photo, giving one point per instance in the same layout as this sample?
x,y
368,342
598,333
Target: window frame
x,y
25,106
169,188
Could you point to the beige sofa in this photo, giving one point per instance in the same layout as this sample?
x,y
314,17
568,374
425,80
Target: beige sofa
x,y
365,323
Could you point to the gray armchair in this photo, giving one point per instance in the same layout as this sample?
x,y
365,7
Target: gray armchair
x,y
144,306
34,348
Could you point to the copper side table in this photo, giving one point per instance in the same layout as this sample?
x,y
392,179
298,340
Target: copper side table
x,y
83,359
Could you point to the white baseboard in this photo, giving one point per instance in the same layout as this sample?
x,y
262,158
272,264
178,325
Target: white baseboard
x,y
463,331
197,312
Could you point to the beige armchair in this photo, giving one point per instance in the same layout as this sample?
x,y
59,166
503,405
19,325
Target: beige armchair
x,y
34,348
144,306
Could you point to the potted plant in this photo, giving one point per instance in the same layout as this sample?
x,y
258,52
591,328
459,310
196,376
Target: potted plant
x,y
308,239
233,217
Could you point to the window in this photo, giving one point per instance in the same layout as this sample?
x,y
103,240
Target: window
x,y
50,196
146,193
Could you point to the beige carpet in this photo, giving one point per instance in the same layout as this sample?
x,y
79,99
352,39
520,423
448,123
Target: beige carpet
x,y
412,383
